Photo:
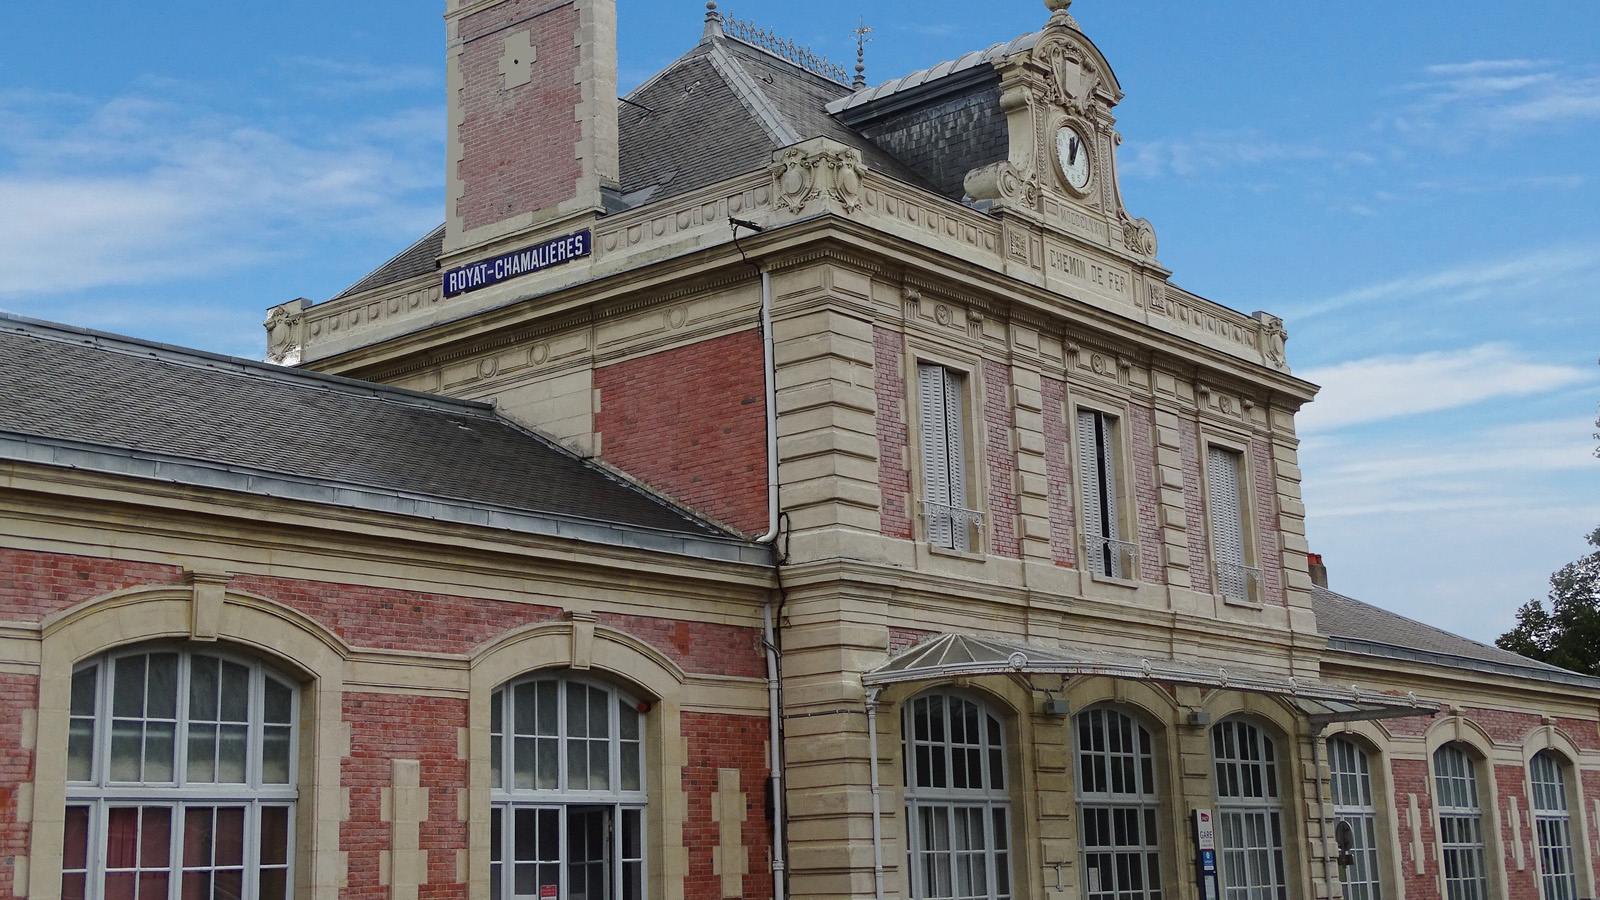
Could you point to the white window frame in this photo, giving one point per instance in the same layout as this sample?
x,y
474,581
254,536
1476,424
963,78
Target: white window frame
x,y
1461,824
943,421
100,798
1354,801
1109,515
1236,567
1551,804
624,807
936,860
1251,860
1108,743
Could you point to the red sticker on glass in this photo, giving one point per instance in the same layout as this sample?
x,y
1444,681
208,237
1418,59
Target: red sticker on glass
x,y
547,890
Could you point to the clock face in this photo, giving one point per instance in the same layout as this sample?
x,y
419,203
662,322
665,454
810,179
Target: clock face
x,y
1072,152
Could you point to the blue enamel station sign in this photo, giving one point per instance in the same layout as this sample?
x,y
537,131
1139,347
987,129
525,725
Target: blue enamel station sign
x,y
518,262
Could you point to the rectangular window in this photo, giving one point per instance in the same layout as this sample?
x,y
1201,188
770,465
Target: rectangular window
x,y
944,459
1236,578
1553,821
1100,474
1460,825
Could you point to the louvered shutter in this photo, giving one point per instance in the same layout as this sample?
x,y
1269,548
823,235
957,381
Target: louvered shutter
x,y
1227,522
1089,478
936,469
955,433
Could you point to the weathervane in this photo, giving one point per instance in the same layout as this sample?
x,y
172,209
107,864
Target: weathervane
x,y
861,53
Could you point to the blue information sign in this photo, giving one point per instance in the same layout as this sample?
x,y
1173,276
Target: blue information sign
x,y
518,262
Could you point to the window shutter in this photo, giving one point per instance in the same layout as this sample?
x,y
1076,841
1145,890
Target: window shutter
x,y
1089,477
955,457
936,468
1227,521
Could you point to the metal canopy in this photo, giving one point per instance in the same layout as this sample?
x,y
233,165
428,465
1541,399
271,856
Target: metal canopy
x,y
959,655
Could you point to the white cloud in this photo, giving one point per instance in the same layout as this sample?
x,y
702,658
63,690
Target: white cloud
x,y
138,190
1467,282
1499,95
1388,387
1186,157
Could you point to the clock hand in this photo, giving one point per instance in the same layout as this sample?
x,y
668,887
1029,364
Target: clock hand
x,y
1072,143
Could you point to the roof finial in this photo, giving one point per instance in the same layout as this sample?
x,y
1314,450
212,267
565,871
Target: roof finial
x,y
861,53
1058,13
713,21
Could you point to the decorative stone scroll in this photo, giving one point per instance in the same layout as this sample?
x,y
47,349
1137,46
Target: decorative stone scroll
x,y
286,339
818,170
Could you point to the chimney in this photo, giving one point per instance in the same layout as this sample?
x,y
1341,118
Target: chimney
x,y
1318,571
533,116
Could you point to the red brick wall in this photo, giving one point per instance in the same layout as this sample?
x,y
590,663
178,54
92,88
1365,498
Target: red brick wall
x,y
1523,885
519,147
999,423
725,742
1195,508
1410,776
904,638
385,619
34,585
1266,497
18,695
1141,421
429,736
700,647
894,479
691,422
1058,473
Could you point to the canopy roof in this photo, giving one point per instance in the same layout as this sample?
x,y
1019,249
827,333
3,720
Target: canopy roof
x,y
958,655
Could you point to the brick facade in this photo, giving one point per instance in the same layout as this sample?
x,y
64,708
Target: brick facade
x,y
1194,508
691,422
1142,437
726,742
518,145
894,478
19,696
1058,473
999,424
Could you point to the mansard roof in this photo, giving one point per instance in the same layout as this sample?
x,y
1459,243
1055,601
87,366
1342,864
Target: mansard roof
x,y
97,401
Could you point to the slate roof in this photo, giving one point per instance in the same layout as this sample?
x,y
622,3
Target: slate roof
x,y
1363,628
77,387
720,110
421,257
916,79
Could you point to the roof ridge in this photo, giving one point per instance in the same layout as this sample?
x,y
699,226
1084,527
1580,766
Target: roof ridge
x,y
41,329
744,86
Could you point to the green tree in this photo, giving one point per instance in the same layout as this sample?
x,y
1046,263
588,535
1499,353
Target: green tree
x,y
1567,634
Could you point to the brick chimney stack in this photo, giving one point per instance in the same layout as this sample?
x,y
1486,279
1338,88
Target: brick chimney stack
x,y
1319,572
533,117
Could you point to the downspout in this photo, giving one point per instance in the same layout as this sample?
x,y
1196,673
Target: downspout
x,y
877,802
1322,802
769,631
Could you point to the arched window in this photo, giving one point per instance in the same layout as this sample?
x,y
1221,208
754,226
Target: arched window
x,y
1117,804
1352,803
180,779
1455,780
1553,818
567,802
1249,813
957,806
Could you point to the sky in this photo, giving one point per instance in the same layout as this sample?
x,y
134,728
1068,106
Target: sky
x,y
1412,186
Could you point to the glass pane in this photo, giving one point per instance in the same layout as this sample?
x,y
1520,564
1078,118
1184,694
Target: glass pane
x,y
627,723
599,713
155,838
231,746
162,697
549,709
83,691
203,688
122,838
202,753
75,844
497,712
599,766
523,708
127,698
279,703
275,755
159,748
522,762
549,759
630,767
274,884
80,749
496,763
577,710
234,702
230,836
197,831
274,836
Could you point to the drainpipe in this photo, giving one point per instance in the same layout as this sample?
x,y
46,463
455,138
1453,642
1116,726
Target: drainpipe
x,y
877,802
1322,801
769,631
